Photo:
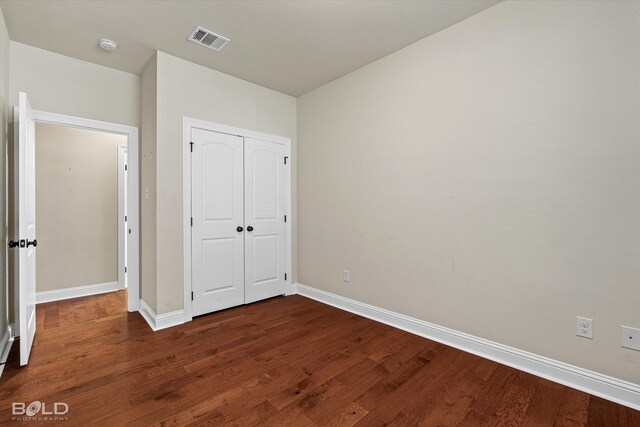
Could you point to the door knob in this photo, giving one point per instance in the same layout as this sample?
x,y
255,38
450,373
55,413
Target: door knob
x,y
23,243
239,229
249,228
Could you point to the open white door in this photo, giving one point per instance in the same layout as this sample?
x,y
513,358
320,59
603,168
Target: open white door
x,y
122,216
25,174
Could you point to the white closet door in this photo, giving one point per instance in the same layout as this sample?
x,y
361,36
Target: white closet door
x,y
264,219
217,232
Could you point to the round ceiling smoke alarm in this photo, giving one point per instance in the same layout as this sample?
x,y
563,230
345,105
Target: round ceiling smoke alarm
x,y
108,45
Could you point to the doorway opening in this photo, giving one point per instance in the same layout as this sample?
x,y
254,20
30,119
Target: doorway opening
x,y
80,212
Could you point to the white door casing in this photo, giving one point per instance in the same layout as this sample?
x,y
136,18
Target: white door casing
x,y
265,186
26,226
217,212
132,190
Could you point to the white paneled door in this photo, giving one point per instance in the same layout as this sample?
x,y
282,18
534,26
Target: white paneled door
x,y
26,227
264,211
238,204
218,221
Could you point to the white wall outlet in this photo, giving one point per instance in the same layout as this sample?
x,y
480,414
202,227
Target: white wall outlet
x,y
346,276
584,327
630,337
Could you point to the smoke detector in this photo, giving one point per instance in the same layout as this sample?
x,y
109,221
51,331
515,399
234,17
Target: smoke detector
x,y
208,39
108,45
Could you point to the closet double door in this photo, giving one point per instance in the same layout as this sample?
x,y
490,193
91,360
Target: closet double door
x,y
238,228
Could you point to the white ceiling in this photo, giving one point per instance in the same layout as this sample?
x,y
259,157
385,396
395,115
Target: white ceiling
x,y
290,46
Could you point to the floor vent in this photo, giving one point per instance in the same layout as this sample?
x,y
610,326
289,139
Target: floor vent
x,y
208,39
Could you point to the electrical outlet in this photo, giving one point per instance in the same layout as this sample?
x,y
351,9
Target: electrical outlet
x,y
584,327
630,337
346,276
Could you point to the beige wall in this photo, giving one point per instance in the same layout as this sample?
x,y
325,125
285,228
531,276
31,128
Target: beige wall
x,y
187,89
149,114
6,305
486,179
64,85
76,206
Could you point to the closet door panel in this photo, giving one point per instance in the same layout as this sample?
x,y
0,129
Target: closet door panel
x,y
218,211
264,218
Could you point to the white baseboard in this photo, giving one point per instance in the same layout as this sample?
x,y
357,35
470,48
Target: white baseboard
x,y
616,390
160,321
79,291
5,346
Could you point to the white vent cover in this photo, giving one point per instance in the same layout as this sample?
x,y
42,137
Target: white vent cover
x,y
208,39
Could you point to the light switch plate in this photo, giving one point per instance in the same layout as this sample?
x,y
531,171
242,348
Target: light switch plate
x,y
630,337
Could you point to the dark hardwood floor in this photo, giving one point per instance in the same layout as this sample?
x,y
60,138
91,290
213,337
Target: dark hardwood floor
x,y
288,361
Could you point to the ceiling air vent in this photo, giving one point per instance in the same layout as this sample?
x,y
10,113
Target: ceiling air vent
x,y
208,39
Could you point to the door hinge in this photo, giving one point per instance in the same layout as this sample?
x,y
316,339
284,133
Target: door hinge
x,y
192,221
126,167
125,269
285,276
191,144
285,218
191,295
125,218
285,160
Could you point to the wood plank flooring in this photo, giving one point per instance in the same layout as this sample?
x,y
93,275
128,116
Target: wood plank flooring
x,y
288,361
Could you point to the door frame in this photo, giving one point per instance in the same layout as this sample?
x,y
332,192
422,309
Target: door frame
x,y
122,213
133,197
189,123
